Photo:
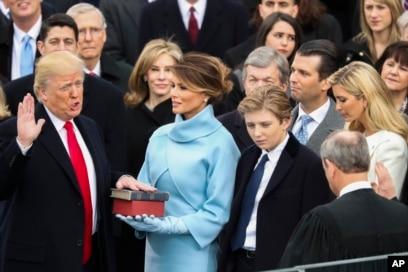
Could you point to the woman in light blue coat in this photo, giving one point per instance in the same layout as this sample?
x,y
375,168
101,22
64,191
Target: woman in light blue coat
x,y
195,160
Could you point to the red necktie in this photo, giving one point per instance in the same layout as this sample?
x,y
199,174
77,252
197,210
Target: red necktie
x,y
92,74
193,26
78,163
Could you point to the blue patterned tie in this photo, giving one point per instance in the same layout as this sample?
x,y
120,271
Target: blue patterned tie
x,y
247,204
26,57
302,134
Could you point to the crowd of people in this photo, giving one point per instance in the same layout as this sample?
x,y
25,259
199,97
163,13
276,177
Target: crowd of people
x,y
279,128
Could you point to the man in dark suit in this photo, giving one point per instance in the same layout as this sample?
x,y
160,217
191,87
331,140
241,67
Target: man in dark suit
x,y
315,116
264,66
102,101
54,161
60,177
212,27
358,223
92,36
122,16
26,21
268,203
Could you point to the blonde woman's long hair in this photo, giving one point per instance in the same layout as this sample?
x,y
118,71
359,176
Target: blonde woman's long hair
x,y
4,112
138,88
362,81
366,35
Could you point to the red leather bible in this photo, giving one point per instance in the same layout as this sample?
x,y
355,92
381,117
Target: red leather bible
x,y
133,203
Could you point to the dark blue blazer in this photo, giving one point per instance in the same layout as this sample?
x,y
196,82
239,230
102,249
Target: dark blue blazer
x,y
297,185
46,227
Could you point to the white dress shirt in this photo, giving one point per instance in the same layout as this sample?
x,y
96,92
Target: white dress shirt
x,y
17,44
273,155
354,187
96,70
317,115
199,12
59,126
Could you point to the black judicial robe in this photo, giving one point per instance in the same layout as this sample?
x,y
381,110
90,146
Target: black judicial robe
x,y
358,224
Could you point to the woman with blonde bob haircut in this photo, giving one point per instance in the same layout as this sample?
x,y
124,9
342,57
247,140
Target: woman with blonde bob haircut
x,y
364,101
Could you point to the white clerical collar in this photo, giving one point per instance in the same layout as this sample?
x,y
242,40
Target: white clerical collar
x,y
358,185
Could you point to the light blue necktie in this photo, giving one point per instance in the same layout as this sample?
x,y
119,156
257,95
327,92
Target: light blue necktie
x,y
302,134
26,57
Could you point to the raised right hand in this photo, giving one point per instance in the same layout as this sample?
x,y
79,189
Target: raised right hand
x,y
27,128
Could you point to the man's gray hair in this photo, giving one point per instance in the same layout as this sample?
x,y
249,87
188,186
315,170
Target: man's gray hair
x,y
263,57
83,8
348,150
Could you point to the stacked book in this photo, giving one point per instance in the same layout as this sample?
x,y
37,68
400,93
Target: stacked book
x,y
127,202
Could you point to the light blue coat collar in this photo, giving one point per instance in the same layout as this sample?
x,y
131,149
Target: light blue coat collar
x,y
202,124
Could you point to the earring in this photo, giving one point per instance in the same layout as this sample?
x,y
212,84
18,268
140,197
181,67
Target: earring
x,y
206,100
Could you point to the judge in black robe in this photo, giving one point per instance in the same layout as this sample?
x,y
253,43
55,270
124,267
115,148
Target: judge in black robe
x,y
358,223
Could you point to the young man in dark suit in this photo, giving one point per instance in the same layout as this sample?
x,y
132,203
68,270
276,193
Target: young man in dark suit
x,y
278,180
53,161
315,115
358,223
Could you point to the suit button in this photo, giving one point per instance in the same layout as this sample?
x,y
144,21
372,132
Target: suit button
x,y
79,243
79,203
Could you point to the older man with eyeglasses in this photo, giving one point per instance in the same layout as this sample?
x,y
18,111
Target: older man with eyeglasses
x,y
92,37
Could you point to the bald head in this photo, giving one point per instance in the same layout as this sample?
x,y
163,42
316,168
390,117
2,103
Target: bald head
x,y
348,150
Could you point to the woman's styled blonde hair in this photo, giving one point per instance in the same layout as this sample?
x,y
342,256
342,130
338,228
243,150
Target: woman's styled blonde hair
x,y
138,88
4,112
362,81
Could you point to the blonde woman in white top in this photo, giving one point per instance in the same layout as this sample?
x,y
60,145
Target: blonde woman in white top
x,y
364,101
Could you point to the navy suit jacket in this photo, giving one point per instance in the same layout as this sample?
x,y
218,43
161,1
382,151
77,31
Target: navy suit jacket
x,y
297,185
224,26
46,227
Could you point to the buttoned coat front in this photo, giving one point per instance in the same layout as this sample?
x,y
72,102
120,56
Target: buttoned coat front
x,y
195,160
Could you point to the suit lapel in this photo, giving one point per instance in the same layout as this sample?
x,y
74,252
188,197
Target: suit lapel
x,y
210,24
247,169
92,148
51,141
283,166
242,134
328,125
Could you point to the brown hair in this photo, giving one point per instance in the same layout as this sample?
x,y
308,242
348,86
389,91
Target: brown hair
x,y
138,88
204,73
310,12
269,97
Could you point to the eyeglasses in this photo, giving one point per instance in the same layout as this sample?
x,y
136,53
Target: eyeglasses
x,y
93,31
